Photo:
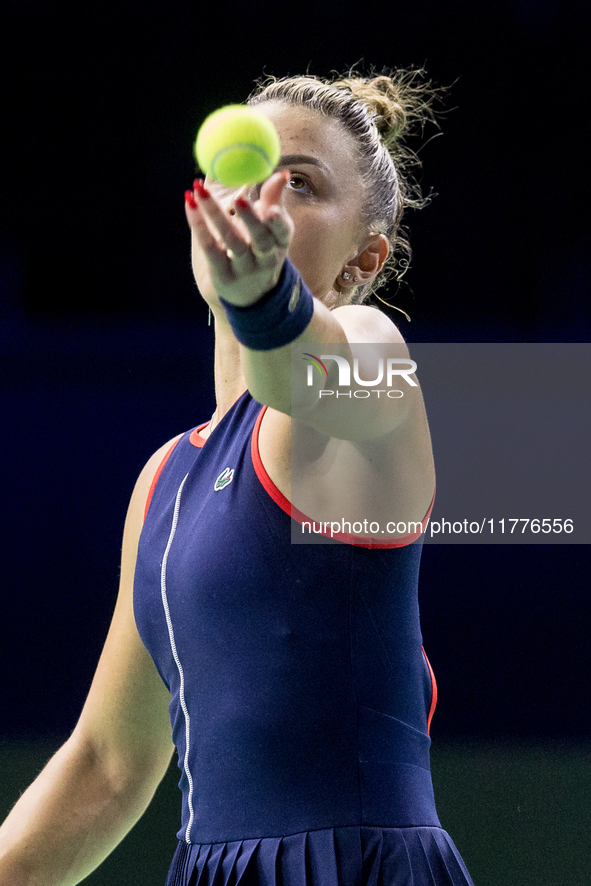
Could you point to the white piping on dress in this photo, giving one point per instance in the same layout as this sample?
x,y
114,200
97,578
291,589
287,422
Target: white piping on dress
x,y
175,520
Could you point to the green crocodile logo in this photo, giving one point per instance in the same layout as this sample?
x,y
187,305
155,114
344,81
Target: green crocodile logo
x,y
225,477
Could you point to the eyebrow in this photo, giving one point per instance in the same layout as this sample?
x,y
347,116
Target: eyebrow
x,y
288,159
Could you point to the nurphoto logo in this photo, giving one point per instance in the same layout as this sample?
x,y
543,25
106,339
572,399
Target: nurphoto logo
x,y
386,371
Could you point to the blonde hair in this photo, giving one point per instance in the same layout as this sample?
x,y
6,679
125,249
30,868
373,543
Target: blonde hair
x,y
378,111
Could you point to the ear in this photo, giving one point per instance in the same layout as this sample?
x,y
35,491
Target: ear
x,y
367,264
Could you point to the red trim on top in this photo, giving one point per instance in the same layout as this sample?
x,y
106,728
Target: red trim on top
x,y
196,439
156,477
268,485
433,692
361,541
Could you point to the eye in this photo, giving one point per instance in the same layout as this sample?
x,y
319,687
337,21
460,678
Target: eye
x,y
298,183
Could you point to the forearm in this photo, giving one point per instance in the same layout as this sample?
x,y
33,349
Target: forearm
x,y
268,374
67,821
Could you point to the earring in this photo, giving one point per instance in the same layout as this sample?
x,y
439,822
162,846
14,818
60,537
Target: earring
x,y
209,316
346,276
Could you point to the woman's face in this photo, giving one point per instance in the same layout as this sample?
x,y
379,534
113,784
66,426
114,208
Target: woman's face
x,y
324,195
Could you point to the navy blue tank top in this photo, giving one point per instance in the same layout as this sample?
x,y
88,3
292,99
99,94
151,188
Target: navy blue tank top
x,y
300,693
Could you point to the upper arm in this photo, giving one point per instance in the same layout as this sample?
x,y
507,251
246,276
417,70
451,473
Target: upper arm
x,y
382,389
362,323
125,719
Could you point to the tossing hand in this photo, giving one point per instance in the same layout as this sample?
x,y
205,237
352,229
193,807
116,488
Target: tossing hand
x,y
243,254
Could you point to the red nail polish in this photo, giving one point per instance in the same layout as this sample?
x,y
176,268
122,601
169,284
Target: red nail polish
x,y
190,199
241,203
201,189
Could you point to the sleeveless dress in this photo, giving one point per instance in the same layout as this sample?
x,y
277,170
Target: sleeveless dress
x,y
301,696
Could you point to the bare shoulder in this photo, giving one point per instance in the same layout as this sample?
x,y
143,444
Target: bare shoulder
x,y
363,323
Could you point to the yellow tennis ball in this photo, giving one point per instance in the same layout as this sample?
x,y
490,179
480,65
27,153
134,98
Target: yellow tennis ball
x,y
237,145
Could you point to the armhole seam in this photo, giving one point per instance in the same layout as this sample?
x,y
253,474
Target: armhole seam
x,y
156,476
285,505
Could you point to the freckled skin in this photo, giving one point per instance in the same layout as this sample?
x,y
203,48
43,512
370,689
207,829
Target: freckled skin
x,y
327,229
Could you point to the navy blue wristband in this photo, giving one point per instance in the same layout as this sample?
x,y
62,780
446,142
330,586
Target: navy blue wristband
x,y
277,318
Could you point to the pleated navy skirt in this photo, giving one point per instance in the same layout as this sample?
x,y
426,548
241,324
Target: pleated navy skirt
x,y
348,856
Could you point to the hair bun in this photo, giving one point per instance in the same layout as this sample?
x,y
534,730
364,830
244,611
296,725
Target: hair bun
x,y
383,97
378,110
396,100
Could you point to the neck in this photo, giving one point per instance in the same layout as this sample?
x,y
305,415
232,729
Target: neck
x,y
229,379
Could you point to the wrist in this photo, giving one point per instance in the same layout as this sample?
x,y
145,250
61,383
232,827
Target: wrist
x,y
278,317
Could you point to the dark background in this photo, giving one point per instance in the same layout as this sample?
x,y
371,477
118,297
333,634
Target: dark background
x,y
105,352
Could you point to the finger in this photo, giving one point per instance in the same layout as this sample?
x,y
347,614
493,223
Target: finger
x,y
262,237
272,190
273,231
221,224
213,250
281,226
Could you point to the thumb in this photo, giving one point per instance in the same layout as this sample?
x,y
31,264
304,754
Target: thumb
x,y
272,191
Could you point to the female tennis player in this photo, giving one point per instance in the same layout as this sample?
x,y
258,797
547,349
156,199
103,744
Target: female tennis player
x,y
293,674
